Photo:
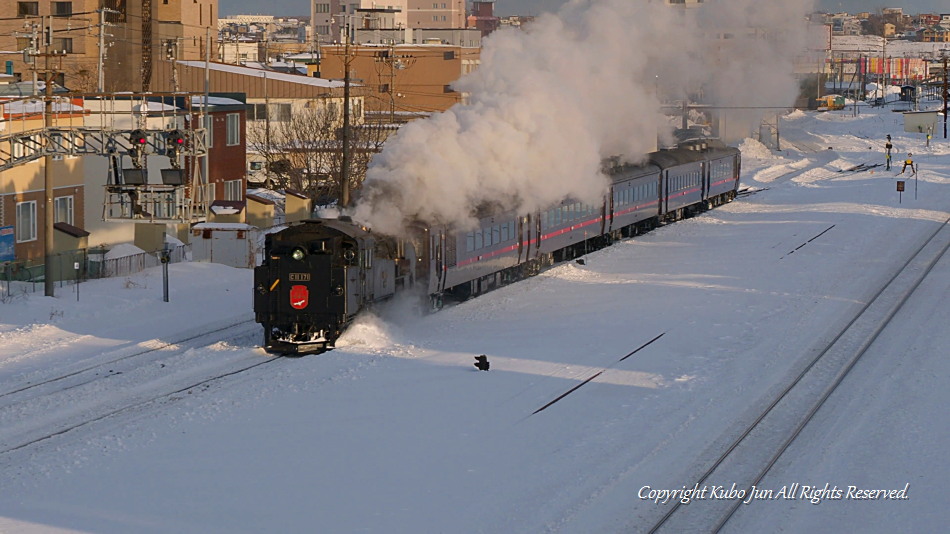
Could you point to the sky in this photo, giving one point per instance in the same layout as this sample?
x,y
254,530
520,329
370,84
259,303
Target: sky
x,y
535,7
395,431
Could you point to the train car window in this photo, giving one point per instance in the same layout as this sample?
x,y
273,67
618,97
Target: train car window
x,y
504,232
478,239
496,234
469,241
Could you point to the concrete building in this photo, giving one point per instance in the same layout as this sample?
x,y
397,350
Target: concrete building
x,y
329,18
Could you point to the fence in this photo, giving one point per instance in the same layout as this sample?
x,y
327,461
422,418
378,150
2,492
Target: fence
x,y
80,265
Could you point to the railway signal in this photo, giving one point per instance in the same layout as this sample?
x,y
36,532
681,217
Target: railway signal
x,y
138,139
174,142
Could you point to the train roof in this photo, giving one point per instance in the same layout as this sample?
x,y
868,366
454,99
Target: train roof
x,y
691,151
627,171
343,226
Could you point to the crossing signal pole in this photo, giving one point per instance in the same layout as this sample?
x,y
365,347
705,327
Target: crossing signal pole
x,y
946,94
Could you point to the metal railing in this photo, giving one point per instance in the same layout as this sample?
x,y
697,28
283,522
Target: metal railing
x,y
76,266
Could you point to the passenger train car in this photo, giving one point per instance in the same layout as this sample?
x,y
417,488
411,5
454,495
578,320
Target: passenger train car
x,y
317,275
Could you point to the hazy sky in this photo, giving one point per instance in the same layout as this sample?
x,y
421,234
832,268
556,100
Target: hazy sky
x,y
533,7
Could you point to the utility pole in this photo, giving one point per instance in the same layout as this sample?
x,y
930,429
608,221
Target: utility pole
x,y
100,85
392,82
206,163
48,215
345,164
171,54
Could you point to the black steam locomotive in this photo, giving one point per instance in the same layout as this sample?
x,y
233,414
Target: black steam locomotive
x,y
318,274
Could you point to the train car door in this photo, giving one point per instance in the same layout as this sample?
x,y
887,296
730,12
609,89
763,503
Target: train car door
x,y
524,224
706,174
521,240
664,193
437,238
355,282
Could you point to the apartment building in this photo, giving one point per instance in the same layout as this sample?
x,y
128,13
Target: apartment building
x,y
134,35
329,18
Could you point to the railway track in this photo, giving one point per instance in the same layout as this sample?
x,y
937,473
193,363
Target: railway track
x,y
113,362
35,414
730,478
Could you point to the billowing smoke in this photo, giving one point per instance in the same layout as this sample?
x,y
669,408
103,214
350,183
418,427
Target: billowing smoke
x,y
548,103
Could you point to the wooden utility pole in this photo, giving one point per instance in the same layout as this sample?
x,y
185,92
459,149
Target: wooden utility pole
x,y
49,216
345,163
48,202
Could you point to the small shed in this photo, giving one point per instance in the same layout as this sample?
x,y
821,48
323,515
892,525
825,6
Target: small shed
x,y
70,244
908,93
260,211
297,206
227,211
234,244
920,121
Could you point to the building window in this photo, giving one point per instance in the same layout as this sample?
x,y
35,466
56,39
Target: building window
x,y
256,112
234,129
63,209
63,45
233,190
26,221
62,9
27,9
118,6
284,113
209,138
322,8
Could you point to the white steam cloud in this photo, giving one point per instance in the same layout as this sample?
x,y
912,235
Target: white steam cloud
x,y
547,104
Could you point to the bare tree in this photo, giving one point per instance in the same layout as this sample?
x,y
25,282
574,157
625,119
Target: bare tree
x,y
305,151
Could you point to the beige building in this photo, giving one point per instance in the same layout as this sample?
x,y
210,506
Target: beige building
x,y
22,187
403,80
136,35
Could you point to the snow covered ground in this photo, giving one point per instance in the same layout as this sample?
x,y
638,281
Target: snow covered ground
x,y
395,431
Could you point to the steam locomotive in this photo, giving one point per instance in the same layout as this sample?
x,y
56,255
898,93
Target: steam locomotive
x,y
318,274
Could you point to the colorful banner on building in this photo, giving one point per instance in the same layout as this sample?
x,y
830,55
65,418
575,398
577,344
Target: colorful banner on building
x,y
895,68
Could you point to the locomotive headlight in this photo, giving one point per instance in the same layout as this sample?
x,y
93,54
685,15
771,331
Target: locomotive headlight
x,y
297,254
